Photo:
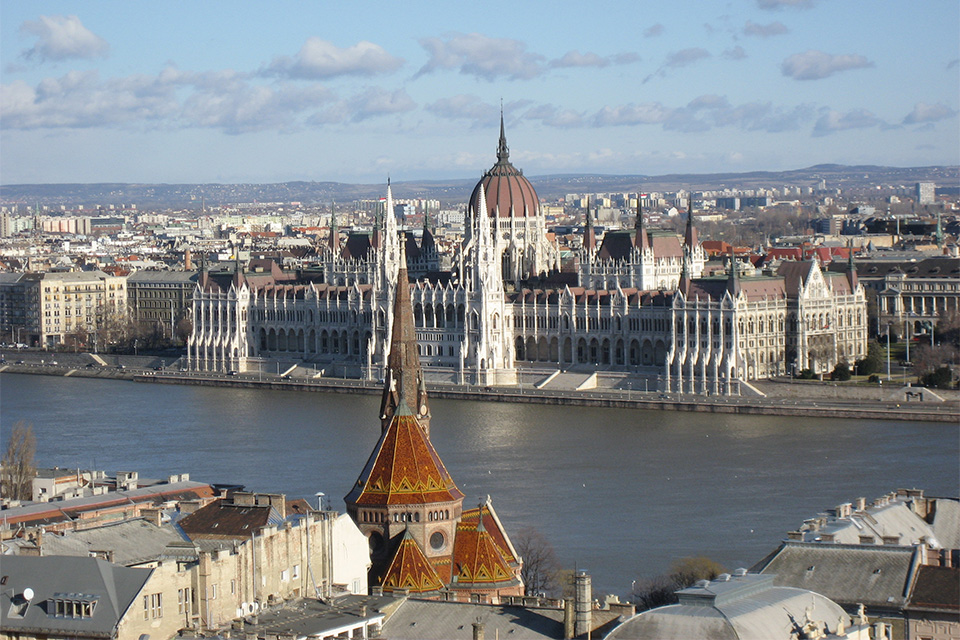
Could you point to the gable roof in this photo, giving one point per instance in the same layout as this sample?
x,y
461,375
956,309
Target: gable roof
x,y
222,520
847,574
113,589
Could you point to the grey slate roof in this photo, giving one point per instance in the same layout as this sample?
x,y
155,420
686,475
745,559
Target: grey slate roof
x,y
131,542
744,607
433,620
113,587
309,617
876,576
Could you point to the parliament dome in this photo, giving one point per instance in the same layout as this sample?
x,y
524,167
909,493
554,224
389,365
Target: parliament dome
x,y
505,188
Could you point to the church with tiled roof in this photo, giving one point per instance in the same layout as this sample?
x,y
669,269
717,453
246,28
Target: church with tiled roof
x,y
422,542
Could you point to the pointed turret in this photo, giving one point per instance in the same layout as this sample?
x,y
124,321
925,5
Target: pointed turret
x,y
238,278
404,376
589,234
684,285
733,282
690,237
640,240
851,269
333,241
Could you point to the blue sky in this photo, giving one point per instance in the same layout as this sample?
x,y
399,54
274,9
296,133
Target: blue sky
x,y
354,91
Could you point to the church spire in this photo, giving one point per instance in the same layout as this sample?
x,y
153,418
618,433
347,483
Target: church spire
x,y
403,381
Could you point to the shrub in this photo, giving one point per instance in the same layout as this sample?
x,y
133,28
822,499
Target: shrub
x,y
841,372
938,378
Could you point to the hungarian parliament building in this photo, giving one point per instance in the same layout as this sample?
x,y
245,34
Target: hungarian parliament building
x,y
640,302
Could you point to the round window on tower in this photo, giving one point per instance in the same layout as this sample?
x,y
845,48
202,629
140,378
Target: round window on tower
x,y
437,541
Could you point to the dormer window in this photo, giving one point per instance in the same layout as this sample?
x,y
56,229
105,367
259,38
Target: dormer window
x,y
72,605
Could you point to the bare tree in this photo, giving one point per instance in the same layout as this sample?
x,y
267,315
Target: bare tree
x,y
540,565
18,470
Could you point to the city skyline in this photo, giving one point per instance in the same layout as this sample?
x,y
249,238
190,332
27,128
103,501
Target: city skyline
x,y
244,92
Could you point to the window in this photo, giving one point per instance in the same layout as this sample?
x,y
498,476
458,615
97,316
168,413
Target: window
x,y
284,576
213,592
296,571
183,601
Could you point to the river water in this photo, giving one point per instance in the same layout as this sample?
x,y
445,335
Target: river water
x,y
618,492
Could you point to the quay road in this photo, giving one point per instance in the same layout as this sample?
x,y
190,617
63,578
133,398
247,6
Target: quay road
x,y
785,398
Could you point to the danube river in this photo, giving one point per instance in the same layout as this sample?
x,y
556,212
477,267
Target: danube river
x,y
620,493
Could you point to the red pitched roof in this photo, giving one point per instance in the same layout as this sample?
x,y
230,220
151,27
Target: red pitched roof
x,y
411,570
404,468
478,561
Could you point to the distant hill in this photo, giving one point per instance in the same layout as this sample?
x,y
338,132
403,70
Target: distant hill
x,y
451,192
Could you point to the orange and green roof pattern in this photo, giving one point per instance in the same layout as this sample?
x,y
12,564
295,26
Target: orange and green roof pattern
x,y
405,469
478,562
411,570
471,518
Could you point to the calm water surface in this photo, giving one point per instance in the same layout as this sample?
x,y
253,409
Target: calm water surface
x,y
620,493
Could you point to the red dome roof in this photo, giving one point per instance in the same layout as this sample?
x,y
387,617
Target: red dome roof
x,y
504,187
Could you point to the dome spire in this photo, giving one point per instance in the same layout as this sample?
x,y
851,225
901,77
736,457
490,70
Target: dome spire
x,y
503,152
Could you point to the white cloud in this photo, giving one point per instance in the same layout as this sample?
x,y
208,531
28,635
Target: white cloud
x,y
765,30
816,65
632,114
377,102
773,5
319,59
465,106
923,112
481,56
552,116
678,59
654,31
62,38
833,121
577,59
735,53
172,99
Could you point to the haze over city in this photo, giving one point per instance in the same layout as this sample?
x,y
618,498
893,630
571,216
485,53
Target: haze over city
x,y
270,92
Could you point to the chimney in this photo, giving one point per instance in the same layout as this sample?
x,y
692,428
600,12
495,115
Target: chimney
x,y
187,260
478,629
893,540
152,515
568,619
861,504
189,506
795,535
583,621
867,539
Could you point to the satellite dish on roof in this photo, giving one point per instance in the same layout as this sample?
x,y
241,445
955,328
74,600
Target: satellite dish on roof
x,y
28,594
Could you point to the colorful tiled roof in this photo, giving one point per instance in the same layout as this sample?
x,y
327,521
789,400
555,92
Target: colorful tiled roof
x,y
404,468
478,561
491,522
411,570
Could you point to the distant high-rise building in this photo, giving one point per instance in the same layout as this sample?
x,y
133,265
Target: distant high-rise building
x,y
926,192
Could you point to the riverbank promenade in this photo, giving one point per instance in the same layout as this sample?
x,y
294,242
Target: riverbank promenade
x,y
890,400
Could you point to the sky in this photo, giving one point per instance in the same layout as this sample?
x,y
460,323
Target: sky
x,y
241,91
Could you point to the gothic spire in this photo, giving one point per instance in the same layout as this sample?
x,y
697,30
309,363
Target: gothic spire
x,y
334,240
503,152
851,268
733,283
690,237
642,241
589,233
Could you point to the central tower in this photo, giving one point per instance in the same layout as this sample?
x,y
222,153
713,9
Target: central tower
x,y
517,222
